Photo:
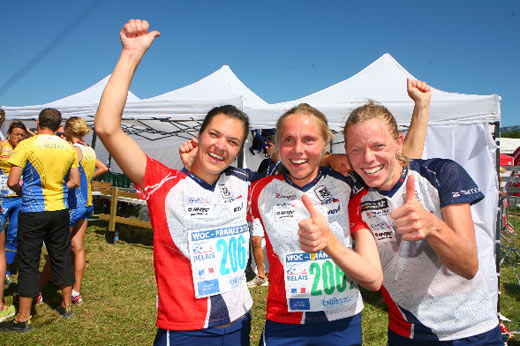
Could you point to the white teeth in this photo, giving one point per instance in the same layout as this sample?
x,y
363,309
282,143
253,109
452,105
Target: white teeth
x,y
298,162
218,157
373,170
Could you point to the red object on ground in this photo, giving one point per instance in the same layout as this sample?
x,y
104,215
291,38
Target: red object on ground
x,y
506,160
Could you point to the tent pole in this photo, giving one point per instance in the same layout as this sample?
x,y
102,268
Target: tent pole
x,y
241,158
499,211
94,137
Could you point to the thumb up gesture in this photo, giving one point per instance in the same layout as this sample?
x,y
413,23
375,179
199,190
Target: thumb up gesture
x,y
314,232
411,220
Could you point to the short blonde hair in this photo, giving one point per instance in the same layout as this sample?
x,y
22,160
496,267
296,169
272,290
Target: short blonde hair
x,y
304,108
77,126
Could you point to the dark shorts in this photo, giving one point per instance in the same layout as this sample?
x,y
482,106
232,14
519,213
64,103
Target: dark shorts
x,y
346,331
33,229
78,214
490,338
236,334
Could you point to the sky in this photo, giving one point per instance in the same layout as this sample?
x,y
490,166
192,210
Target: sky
x,y
282,50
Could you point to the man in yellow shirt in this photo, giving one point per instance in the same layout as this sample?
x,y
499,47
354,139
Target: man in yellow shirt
x,y
49,166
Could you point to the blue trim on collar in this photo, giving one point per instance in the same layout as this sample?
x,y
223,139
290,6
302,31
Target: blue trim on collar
x,y
397,185
321,172
199,181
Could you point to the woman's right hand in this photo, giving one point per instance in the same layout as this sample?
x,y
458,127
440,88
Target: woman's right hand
x,y
188,151
135,36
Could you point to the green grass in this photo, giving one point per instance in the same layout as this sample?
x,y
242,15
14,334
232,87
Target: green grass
x,y
120,293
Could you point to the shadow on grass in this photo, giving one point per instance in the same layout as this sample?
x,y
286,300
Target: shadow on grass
x,y
511,289
128,234
513,342
373,298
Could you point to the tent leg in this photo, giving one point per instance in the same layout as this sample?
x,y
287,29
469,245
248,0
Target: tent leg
x,y
497,228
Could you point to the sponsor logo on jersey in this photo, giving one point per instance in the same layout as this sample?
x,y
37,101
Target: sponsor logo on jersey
x,y
457,194
335,302
224,192
334,211
238,208
289,197
322,193
198,200
285,214
374,205
379,226
285,205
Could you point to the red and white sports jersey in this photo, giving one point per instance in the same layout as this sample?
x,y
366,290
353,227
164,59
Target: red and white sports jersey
x,y
180,202
276,202
426,301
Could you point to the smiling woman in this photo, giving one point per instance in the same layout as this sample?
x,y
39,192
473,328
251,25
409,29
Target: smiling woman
x,y
201,238
419,214
313,298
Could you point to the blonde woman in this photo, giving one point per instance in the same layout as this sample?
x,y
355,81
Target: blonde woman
x,y
419,213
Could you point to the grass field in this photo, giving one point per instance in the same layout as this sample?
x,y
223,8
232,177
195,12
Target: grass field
x,y
120,294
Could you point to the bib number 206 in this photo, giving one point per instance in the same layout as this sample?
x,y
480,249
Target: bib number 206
x,y
235,251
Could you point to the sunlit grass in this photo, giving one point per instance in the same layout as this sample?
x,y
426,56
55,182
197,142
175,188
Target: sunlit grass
x,y
120,294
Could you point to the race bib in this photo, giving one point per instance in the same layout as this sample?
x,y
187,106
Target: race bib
x,y
4,189
313,282
218,259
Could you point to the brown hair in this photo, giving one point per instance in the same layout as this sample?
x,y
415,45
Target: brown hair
x,y
304,108
49,118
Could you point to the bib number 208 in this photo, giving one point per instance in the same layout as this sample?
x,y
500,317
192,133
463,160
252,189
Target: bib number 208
x,y
331,276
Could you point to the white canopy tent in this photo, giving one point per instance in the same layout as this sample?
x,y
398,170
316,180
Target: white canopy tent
x,y
82,104
218,88
79,104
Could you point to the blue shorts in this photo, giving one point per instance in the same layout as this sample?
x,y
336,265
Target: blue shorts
x,y
490,338
10,209
346,331
79,214
234,334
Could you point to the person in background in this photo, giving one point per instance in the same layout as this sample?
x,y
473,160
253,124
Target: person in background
x,y
10,201
2,119
80,202
271,165
49,166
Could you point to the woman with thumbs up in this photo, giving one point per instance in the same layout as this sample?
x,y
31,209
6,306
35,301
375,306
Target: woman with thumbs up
x,y
419,213
313,298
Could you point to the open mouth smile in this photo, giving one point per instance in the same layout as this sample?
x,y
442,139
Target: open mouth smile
x,y
372,171
299,162
216,157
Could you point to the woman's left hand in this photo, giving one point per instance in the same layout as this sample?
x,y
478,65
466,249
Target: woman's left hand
x,y
314,232
411,220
